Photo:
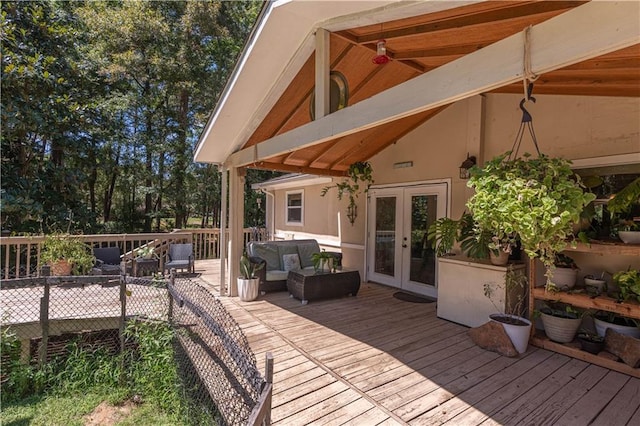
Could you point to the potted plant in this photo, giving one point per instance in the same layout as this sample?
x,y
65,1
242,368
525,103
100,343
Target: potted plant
x,y
513,320
322,261
67,254
538,199
595,285
248,281
146,252
444,233
500,248
565,272
622,206
359,173
590,342
623,325
628,284
561,321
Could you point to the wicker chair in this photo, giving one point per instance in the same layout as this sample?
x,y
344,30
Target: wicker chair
x,y
107,261
180,257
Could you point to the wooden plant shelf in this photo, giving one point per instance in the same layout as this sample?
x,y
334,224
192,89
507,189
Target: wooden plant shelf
x,y
606,248
573,350
604,303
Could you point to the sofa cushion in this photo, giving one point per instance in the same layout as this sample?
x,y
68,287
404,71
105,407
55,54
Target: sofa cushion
x,y
291,262
306,250
286,248
270,255
277,275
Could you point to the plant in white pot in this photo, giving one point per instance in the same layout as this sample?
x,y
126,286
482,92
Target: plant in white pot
x,y
248,281
538,199
513,320
561,321
322,261
565,273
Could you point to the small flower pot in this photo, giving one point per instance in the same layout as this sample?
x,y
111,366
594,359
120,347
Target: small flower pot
x,y
560,329
564,278
501,259
602,325
248,289
590,344
594,285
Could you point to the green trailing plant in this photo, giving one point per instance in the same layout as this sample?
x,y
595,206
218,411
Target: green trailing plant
x,y
625,198
360,179
538,199
629,284
248,269
70,248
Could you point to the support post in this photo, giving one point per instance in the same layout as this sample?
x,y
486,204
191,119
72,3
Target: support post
x,y
236,225
123,320
222,247
44,323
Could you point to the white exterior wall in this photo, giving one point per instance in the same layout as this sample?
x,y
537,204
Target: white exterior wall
x,y
573,127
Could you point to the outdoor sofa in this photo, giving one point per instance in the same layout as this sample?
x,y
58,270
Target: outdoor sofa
x,y
273,276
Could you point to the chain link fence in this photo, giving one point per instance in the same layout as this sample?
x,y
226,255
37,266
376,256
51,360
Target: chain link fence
x,y
212,353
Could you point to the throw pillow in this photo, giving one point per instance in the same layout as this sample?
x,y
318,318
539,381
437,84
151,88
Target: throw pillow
x,y
290,262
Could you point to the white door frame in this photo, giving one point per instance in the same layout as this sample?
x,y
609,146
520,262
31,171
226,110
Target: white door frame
x,y
441,188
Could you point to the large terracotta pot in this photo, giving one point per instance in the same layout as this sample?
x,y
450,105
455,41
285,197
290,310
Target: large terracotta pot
x,y
61,267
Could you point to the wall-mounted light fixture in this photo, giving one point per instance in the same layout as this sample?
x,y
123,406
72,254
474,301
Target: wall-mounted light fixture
x,y
352,213
466,165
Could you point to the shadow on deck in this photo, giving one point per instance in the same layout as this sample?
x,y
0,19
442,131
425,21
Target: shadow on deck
x,y
375,359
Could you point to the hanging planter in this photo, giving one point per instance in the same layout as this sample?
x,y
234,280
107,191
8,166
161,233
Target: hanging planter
x,y
360,173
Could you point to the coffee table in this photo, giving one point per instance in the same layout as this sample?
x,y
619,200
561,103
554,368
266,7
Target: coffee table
x,y
309,285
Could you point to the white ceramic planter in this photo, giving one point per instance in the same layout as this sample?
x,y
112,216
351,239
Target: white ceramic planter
x,y
601,328
564,278
561,330
519,334
630,237
596,285
248,289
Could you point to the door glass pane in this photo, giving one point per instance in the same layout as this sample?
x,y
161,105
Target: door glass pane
x,y
385,251
423,258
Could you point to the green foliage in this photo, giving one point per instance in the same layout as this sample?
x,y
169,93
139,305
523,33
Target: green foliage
x,y
515,284
359,173
445,232
321,258
70,248
625,198
629,284
537,199
248,269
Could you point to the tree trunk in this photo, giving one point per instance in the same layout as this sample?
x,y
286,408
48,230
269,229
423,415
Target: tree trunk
x,y
179,169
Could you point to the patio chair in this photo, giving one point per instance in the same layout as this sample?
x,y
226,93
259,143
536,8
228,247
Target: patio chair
x,y
107,261
180,257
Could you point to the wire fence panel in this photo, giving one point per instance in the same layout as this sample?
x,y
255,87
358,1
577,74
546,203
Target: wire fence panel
x,y
214,344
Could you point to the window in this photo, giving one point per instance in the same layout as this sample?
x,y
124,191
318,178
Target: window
x,y
295,209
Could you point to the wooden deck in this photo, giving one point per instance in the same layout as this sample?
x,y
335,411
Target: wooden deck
x,y
373,359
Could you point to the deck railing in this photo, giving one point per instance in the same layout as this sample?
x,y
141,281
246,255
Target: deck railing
x,y
21,256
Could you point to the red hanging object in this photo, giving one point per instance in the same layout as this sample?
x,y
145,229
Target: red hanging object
x,y
381,57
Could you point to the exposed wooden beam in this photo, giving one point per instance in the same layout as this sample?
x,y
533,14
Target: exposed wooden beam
x,y
440,51
586,32
505,12
265,165
322,69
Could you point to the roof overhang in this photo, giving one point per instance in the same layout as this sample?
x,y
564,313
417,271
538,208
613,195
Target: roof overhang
x,y
281,42
262,119
295,180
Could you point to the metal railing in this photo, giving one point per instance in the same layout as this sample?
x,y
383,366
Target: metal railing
x,y
21,256
212,353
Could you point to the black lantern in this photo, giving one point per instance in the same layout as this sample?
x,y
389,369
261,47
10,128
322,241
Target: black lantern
x,y
466,165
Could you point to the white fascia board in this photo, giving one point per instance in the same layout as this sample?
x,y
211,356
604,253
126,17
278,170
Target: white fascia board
x,y
282,42
587,31
292,181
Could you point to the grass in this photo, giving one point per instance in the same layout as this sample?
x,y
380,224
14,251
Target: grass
x,y
68,389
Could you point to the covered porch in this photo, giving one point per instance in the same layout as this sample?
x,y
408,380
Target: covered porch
x,y
374,359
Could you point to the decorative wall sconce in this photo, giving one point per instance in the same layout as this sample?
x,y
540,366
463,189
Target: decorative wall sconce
x,y
352,213
466,165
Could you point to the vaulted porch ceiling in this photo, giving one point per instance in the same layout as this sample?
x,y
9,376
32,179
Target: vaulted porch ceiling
x,y
417,45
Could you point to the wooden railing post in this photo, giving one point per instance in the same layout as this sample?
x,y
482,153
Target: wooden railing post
x,y
123,321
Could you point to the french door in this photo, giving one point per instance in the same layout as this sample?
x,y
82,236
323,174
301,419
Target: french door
x,y
398,251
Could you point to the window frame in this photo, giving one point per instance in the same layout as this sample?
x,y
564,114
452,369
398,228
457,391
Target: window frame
x,y
288,208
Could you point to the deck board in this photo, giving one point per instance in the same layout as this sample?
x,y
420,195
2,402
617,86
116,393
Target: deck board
x,y
375,360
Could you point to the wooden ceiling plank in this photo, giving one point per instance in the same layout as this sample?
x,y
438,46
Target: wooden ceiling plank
x,y
589,31
484,17
611,90
441,51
